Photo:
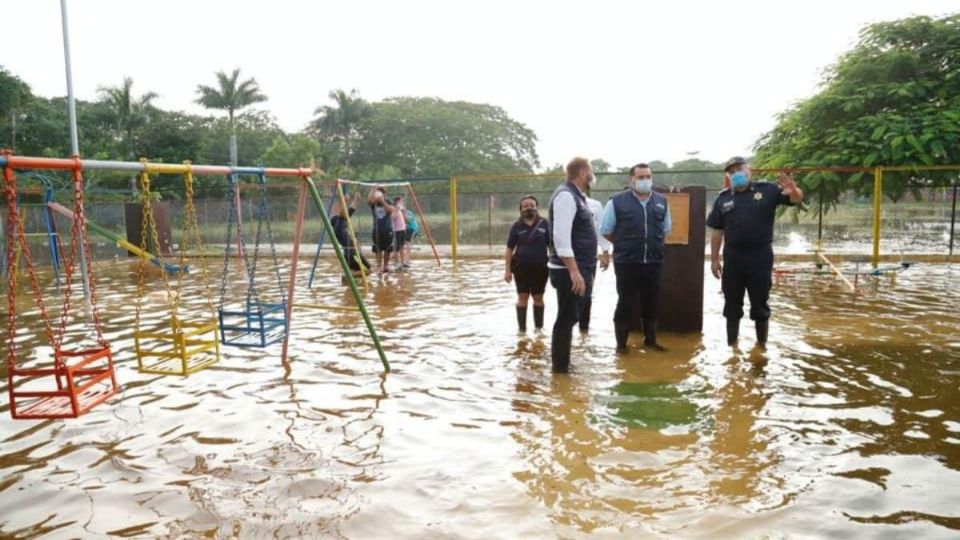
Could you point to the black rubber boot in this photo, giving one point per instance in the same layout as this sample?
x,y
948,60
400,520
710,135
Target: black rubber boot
x,y
621,330
522,318
538,317
733,331
763,327
650,335
560,353
584,322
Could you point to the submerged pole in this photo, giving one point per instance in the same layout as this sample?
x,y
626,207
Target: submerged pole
x,y
953,217
877,195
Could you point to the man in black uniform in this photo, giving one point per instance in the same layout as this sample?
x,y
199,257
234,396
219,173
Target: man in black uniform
x,y
573,256
742,218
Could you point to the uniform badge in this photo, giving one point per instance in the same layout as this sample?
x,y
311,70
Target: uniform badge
x,y
757,196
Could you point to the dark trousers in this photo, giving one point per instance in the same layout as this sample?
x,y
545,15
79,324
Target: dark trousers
x,y
747,270
638,287
584,321
569,310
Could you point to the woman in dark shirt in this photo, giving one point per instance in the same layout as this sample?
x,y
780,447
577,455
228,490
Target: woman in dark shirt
x,y
526,260
341,230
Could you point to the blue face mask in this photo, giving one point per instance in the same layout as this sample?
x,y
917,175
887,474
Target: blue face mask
x,y
738,179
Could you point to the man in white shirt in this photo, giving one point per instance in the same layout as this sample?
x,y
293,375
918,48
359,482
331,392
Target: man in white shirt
x,y
596,208
573,256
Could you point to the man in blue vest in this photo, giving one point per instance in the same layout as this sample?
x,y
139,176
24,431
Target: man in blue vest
x,y
573,256
637,221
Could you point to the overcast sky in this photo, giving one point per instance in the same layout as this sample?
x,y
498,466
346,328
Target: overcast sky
x,y
623,81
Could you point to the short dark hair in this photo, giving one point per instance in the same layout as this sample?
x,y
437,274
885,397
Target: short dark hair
x,y
398,198
633,169
531,197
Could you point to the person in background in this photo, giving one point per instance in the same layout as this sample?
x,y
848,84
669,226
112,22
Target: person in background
x,y
413,229
573,256
596,208
742,220
526,260
381,211
398,221
637,221
341,231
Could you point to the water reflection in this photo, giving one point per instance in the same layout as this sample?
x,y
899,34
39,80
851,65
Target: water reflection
x,y
847,425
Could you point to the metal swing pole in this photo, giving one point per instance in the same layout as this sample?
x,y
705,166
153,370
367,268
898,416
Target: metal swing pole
x,y
323,234
346,271
74,146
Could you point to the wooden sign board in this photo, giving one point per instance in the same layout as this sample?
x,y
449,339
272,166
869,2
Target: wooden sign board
x,y
680,218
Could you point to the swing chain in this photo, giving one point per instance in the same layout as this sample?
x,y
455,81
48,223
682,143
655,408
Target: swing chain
x,y
265,216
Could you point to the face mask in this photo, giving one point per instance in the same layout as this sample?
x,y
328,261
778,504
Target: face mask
x,y
593,181
529,213
643,186
738,179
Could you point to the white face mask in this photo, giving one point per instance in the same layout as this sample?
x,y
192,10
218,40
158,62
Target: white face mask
x,y
643,186
593,181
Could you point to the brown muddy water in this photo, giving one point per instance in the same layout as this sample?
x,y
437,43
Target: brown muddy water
x,y
848,426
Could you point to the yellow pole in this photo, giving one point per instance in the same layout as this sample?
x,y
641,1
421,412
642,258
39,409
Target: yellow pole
x,y
353,235
453,218
877,196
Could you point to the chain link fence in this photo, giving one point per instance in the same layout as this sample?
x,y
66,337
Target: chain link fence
x,y
920,221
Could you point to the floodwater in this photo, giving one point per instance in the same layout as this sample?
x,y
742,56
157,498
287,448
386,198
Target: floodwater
x,y
848,426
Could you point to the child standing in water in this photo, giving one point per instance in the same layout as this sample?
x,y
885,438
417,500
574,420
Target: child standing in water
x,y
399,221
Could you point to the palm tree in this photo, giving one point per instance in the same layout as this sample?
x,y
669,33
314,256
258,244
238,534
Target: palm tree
x,y
129,114
231,97
339,123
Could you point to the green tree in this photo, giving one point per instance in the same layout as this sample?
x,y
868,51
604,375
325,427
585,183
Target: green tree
x,y
129,113
600,165
292,151
15,96
230,95
432,137
894,99
337,126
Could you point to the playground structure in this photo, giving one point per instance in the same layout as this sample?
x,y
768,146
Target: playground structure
x,y
255,322
82,372
178,346
81,383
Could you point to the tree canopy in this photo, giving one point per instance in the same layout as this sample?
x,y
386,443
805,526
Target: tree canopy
x,y
894,99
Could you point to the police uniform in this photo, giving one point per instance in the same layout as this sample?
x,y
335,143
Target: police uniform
x,y
570,306
746,219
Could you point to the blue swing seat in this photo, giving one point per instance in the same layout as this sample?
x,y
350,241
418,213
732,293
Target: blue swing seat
x,y
260,325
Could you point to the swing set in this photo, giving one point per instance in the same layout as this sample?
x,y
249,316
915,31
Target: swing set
x,y
253,322
82,372
182,344
78,373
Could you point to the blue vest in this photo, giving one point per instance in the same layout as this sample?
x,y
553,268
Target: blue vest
x,y
583,234
639,234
